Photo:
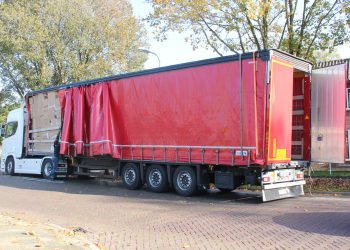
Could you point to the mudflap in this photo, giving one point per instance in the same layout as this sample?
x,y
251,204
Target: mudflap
x,y
61,170
282,190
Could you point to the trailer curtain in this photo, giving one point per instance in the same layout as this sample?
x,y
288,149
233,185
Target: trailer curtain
x,y
88,124
188,115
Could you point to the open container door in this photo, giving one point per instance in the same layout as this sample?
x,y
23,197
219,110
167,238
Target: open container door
x,y
328,114
280,181
280,112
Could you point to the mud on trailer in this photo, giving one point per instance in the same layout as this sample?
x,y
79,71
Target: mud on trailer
x,y
253,118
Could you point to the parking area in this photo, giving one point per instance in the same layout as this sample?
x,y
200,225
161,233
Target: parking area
x,y
116,218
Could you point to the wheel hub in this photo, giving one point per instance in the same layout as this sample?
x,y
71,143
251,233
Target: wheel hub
x,y
9,167
130,176
48,169
155,178
184,180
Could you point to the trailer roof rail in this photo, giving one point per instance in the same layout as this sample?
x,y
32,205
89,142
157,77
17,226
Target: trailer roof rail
x,y
265,55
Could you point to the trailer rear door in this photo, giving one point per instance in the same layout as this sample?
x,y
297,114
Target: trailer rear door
x,y
328,114
280,112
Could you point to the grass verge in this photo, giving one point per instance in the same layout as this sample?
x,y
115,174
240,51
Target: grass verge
x,y
327,174
327,184
333,185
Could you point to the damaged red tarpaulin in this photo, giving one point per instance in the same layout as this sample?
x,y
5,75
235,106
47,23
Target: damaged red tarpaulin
x,y
187,116
87,121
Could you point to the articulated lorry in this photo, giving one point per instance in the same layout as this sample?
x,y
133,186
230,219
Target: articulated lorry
x,y
253,118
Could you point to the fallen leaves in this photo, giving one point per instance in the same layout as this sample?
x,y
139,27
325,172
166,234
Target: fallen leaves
x,y
79,230
100,246
32,233
329,184
69,232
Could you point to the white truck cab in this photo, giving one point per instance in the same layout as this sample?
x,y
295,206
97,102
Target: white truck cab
x,y
13,159
13,133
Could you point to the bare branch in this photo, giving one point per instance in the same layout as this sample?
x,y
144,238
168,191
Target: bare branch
x,y
281,38
240,40
216,35
312,7
302,29
318,27
252,29
208,40
276,16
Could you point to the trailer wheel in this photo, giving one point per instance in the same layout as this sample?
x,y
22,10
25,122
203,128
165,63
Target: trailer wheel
x,y
185,181
157,179
10,166
47,169
131,176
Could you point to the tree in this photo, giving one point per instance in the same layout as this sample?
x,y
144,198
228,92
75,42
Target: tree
x,y
298,27
48,42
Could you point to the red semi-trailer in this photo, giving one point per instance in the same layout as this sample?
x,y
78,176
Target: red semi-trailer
x,y
228,121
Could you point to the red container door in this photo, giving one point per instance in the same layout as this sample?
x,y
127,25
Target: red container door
x,y
328,114
279,137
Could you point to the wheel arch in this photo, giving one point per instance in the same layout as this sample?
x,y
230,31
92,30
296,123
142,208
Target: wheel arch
x,y
10,156
45,158
42,165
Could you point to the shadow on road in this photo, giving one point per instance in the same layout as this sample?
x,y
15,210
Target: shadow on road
x,y
317,222
116,189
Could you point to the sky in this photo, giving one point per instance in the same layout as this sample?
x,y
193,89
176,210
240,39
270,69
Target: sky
x,y
176,50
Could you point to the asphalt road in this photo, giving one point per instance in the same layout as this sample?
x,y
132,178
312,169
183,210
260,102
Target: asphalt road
x,y
121,219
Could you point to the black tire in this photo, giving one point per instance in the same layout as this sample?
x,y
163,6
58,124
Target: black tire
x,y
225,190
10,166
157,179
185,181
131,176
85,177
47,169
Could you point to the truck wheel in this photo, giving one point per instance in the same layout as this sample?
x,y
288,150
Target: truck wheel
x,y
185,181
10,166
131,176
47,169
157,179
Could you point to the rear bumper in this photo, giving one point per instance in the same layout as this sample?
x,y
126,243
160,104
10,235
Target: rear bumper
x,y
282,190
300,164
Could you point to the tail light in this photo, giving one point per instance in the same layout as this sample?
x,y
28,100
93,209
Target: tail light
x,y
266,179
299,175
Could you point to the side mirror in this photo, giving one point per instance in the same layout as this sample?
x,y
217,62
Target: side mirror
x,y
2,130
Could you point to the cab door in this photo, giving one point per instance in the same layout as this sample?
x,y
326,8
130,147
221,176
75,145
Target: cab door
x,y
328,114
